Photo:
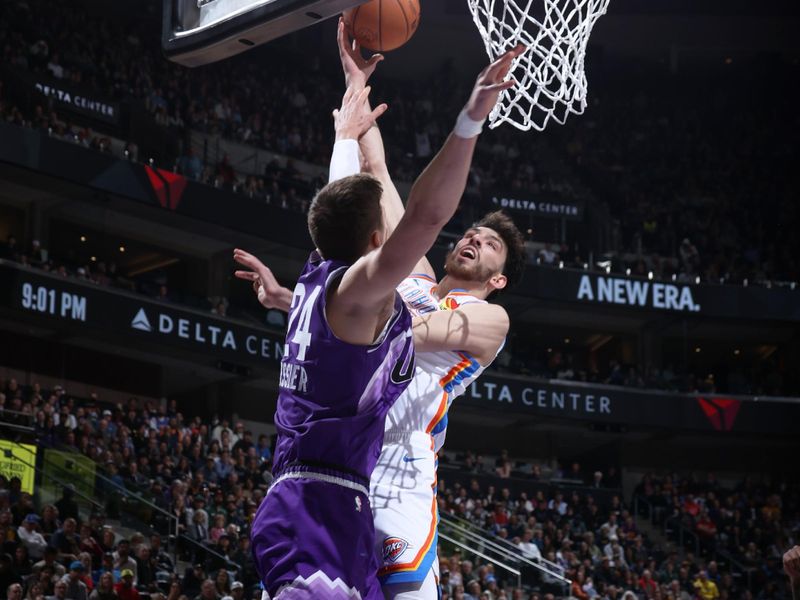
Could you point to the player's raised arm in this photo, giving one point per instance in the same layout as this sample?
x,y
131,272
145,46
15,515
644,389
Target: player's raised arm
x,y
479,329
357,71
432,202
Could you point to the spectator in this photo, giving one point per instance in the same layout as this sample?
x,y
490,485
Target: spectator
x,y
86,575
50,522
107,566
237,590
222,583
104,589
706,589
31,538
67,541
190,165
34,590
163,561
66,505
145,567
528,548
123,560
208,591
89,545
59,591
14,591
125,589
647,584
199,529
76,588
49,561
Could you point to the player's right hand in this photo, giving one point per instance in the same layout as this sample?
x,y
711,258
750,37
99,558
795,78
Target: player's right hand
x,y
791,564
269,292
491,81
354,118
357,69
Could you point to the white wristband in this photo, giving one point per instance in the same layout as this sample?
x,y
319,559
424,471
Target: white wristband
x,y
344,161
467,128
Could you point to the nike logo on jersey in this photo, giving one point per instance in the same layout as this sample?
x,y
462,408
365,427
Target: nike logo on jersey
x,y
408,458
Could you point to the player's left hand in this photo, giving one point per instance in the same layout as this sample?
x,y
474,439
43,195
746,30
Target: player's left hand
x,y
357,69
791,564
354,118
491,81
270,293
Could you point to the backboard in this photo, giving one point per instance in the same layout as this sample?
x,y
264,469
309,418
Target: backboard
x,y
198,32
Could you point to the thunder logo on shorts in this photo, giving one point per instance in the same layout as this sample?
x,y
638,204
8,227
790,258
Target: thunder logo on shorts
x,y
393,548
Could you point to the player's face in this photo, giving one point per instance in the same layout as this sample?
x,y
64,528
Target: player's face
x,y
478,256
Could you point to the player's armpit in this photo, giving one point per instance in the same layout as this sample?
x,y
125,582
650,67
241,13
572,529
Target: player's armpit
x,y
479,329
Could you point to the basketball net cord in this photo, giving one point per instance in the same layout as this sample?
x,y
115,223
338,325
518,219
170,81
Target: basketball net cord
x,y
550,75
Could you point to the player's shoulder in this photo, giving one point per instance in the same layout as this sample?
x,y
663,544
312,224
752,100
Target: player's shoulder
x,y
417,291
422,280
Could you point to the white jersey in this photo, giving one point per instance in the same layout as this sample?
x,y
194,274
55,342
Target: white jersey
x,y
440,377
403,484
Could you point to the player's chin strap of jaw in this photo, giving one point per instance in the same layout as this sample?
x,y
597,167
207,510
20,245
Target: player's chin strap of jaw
x,y
466,127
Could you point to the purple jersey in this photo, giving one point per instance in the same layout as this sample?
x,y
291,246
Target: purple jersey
x,y
313,535
334,396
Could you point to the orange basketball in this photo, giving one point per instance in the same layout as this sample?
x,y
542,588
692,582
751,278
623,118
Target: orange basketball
x,y
382,25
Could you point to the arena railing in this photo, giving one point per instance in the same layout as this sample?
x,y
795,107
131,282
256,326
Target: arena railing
x,y
15,420
117,501
743,569
671,529
90,504
453,472
134,504
473,551
206,549
503,549
684,536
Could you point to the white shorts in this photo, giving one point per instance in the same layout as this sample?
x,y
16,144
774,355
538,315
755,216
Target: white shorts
x,y
404,508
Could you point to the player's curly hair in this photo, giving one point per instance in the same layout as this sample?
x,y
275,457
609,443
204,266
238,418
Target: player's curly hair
x,y
343,215
512,237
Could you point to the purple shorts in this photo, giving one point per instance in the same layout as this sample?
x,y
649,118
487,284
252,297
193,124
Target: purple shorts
x,y
313,538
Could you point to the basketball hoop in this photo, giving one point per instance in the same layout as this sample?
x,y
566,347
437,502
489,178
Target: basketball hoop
x,y
551,81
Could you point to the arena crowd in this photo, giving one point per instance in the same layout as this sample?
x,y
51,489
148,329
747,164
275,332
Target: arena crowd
x,y
209,480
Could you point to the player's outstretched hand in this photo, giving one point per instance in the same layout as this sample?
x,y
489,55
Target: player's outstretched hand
x,y
490,82
357,69
354,118
270,293
791,564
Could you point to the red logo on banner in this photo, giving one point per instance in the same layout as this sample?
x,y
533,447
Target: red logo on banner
x,y
720,412
167,186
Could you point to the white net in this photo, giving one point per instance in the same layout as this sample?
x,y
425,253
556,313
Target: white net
x,y
551,81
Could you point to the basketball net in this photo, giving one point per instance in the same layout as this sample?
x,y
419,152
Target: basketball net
x,y
550,76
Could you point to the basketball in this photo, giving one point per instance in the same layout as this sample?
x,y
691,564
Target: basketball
x,y
382,25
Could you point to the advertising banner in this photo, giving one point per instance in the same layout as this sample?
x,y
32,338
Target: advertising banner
x,y
640,408
18,460
548,206
631,293
67,468
110,313
173,192
125,316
